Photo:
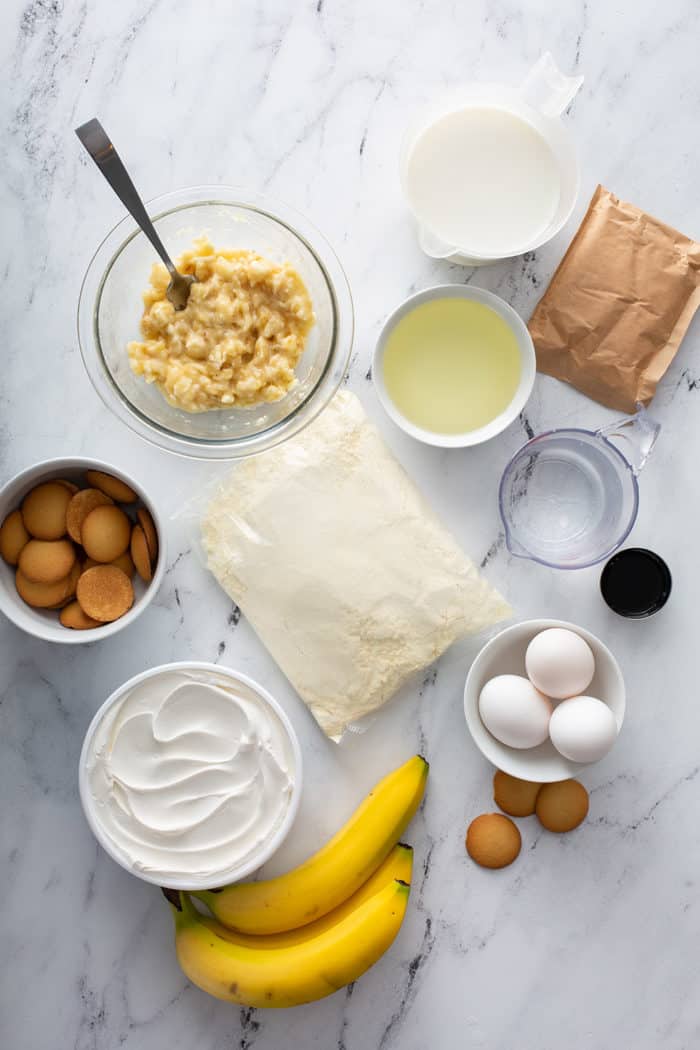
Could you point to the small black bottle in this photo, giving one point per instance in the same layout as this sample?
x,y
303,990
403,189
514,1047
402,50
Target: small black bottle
x,y
635,582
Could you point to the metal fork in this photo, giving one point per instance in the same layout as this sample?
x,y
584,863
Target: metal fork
x,y
98,144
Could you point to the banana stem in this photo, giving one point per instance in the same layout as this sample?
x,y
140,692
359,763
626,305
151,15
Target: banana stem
x,y
184,910
172,897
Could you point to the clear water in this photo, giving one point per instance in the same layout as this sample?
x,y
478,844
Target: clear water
x,y
568,499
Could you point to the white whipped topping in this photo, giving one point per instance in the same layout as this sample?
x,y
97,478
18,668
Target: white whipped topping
x,y
190,773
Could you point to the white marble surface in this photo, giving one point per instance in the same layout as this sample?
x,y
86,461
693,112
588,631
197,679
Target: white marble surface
x,y
588,942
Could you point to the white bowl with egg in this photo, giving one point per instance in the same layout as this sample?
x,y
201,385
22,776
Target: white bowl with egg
x,y
507,404
190,775
44,623
505,654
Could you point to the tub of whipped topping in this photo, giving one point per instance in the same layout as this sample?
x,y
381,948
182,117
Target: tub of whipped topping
x,y
190,775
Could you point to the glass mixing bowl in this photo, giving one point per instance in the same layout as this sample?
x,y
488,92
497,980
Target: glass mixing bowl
x,y
110,308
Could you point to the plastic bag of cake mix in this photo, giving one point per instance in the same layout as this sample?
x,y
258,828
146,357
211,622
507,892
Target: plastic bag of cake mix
x,y
340,565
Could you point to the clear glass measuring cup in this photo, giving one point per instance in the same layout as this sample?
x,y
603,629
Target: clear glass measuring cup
x,y
569,498
539,100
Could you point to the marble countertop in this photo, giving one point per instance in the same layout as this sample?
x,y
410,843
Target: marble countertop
x,y
590,941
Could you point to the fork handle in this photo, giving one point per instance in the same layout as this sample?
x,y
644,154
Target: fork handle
x,y
98,144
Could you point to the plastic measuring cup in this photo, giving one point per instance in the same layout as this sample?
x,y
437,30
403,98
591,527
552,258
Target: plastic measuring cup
x,y
541,98
569,498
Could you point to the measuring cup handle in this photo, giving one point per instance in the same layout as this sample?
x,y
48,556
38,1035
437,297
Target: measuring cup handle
x,y
546,88
634,435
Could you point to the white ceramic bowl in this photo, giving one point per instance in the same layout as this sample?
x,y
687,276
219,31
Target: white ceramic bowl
x,y
505,654
235,872
44,623
527,366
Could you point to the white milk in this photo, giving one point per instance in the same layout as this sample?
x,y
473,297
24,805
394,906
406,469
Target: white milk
x,y
484,180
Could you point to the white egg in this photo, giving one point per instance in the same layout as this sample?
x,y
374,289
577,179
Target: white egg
x,y
559,663
583,729
514,711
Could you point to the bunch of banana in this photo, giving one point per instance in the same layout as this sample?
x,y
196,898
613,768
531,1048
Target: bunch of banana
x,y
303,935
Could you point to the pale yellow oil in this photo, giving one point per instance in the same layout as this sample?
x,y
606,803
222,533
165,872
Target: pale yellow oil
x,y
451,365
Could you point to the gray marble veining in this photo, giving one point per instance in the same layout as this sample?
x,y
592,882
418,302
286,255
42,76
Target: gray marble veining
x,y
589,942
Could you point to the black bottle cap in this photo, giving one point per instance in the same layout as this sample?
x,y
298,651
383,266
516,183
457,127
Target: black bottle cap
x,y
635,582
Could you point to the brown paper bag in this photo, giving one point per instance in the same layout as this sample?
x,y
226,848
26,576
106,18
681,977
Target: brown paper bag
x,y
619,304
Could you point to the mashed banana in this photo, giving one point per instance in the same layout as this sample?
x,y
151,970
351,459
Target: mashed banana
x,y
237,341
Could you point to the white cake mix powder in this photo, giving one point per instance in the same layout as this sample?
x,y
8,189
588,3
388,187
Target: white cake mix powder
x,y
341,566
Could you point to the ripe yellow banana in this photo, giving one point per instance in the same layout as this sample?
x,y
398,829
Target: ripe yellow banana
x,y
397,866
278,977
336,871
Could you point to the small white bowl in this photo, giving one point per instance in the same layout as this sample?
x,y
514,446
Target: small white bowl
x,y
505,654
527,366
44,623
235,872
